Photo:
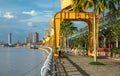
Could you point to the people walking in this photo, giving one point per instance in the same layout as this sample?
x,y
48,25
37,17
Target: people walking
x,y
59,50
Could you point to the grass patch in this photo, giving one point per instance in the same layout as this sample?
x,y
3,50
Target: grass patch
x,y
96,63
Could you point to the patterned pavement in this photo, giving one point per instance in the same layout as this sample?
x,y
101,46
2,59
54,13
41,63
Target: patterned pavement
x,y
72,65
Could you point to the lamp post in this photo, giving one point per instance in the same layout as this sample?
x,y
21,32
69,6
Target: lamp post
x,y
94,27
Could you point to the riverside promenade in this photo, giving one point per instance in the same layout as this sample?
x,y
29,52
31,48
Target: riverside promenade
x,y
72,65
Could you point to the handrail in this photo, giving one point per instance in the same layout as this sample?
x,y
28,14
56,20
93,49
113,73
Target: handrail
x,y
46,69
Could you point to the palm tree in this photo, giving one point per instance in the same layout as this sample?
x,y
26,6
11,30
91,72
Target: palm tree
x,y
82,5
99,7
117,4
67,28
80,41
116,32
112,6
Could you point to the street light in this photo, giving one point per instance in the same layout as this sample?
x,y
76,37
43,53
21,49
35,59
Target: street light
x,y
94,23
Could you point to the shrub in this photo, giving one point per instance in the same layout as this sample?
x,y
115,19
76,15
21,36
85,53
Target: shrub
x,y
96,63
116,50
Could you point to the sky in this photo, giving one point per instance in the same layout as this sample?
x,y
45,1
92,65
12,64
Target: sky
x,y
23,16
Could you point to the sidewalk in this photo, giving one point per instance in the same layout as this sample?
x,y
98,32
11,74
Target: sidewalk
x,y
71,65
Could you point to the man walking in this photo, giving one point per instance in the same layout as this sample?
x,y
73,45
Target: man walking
x,y
59,50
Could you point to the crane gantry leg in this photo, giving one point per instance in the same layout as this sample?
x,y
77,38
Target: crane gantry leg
x,y
75,16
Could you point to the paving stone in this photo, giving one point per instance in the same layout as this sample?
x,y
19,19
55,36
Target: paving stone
x,y
72,65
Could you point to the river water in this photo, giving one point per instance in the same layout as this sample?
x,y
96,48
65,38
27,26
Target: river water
x,y
20,61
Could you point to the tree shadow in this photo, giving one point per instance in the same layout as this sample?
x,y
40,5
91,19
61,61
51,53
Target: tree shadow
x,y
84,73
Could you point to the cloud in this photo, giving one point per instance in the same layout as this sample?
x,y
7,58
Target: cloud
x,y
32,12
8,15
43,16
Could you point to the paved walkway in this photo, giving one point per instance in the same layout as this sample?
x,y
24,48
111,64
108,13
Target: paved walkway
x,y
71,65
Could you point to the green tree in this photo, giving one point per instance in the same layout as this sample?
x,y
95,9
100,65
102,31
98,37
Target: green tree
x,y
117,4
82,5
67,28
100,5
80,41
116,32
112,6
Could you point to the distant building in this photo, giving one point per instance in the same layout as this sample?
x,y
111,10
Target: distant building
x,y
26,40
36,37
30,37
18,42
10,39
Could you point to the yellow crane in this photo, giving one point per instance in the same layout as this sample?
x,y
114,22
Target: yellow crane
x,y
67,14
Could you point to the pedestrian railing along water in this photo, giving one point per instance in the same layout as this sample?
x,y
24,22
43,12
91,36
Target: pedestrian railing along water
x,y
46,70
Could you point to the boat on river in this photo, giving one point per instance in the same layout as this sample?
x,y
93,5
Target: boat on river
x,y
33,47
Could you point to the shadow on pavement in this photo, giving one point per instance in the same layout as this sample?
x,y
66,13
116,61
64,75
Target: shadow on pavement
x,y
77,67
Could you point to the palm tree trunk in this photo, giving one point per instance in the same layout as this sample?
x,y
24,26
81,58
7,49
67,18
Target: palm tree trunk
x,y
104,42
116,43
64,43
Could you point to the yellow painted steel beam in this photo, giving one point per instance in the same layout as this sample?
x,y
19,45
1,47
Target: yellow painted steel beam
x,y
51,38
75,16
51,41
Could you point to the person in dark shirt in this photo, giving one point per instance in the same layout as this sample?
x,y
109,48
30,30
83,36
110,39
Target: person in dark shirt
x,y
59,50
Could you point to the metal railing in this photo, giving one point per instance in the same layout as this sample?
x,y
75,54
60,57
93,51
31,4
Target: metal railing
x,y
46,70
